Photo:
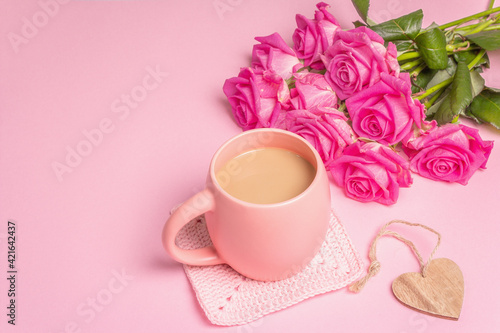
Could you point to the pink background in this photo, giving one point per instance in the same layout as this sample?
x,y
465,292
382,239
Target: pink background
x,y
104,218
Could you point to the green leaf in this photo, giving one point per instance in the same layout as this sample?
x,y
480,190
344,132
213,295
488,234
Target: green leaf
x,y
486,107
443,74
403,46
465,56
432,46
362,7
405,27
488,40
432,26
459,98
437,104
477,82
358,23
422,80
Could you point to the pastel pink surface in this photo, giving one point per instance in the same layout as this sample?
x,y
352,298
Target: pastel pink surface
x,y
89,253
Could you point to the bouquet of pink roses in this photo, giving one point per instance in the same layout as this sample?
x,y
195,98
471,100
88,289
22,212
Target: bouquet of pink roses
x,y
356,95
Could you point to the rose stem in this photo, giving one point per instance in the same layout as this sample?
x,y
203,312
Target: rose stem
x,y
478,57
417,70
409,65
435,88
453,47
431,101
482,26
409,55
469,18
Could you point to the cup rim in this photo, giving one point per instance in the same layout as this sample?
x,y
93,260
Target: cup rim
x,y
319,165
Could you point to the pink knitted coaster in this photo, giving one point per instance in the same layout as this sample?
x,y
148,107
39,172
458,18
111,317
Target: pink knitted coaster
x,y
228,298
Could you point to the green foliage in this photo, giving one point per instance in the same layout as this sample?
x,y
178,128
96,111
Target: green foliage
x,y
406,27
486,107
432,47
362,7
445,61
458,98
488,40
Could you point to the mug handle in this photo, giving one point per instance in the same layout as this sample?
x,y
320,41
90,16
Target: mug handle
x,y
195,206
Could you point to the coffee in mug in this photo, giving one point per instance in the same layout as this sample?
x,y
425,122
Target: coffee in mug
x,y
266,175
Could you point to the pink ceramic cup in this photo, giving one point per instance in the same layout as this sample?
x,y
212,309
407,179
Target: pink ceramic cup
x,y
261,241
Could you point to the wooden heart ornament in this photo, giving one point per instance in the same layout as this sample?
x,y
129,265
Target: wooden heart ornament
x,y
440,293
438,290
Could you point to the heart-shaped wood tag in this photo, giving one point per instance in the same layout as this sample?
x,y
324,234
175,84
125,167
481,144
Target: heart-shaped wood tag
x,y
440,293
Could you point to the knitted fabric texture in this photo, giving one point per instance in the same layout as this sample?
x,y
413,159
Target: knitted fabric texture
x,y
228,298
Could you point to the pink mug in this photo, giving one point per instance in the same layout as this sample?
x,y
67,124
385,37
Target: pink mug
x,y
261,241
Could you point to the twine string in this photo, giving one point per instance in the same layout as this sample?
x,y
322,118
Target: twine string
x,y
374,267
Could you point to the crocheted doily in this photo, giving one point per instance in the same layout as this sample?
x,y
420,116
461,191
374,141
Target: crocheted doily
x,y
228,298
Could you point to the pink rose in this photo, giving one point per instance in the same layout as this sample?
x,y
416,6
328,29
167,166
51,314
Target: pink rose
x,y
356,59
325,128
257,97
451,153
311,90
386,112
371,172
313,37
274,54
